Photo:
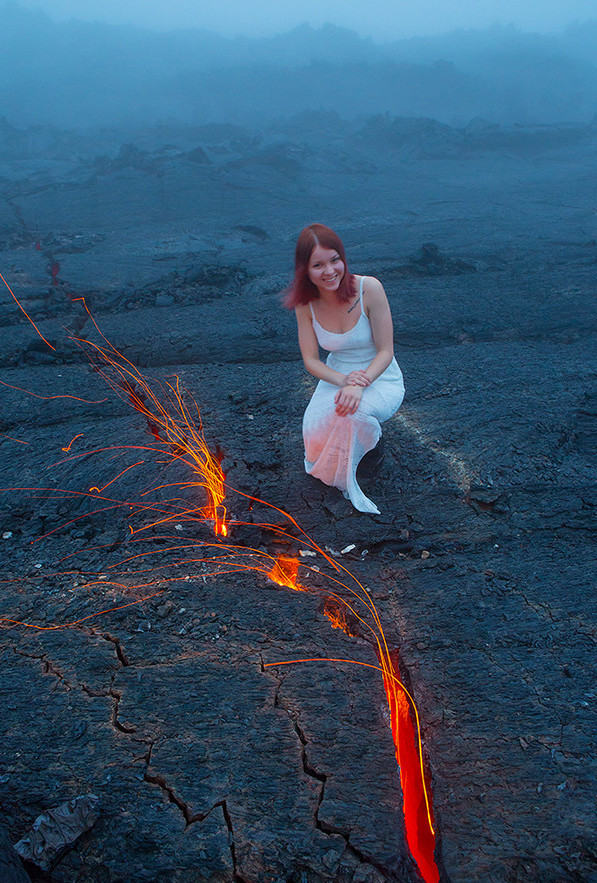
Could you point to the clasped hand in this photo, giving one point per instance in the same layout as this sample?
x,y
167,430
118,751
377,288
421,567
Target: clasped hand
x,y
348,399
357,378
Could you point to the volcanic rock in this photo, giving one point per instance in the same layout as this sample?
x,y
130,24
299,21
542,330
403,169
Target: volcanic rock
x,y
56,830
210,763
11,869
430,260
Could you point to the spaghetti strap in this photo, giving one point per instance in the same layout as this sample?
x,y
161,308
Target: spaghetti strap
x,y
361,293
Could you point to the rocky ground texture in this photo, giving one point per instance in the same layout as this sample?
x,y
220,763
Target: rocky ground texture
x,y
209,766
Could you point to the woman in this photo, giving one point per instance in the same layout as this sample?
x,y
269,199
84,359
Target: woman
x,y
360,383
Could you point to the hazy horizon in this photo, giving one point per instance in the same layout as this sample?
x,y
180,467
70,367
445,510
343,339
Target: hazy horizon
x,y
380,20
82,73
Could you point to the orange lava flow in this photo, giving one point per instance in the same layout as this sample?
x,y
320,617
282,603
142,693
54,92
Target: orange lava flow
x,y
337,617
173,420
419,828
418,819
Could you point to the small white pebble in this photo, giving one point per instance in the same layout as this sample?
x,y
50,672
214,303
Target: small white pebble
x,y
347,549
7,534
179,527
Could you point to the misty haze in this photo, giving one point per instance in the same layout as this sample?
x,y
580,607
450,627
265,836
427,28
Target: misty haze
x,y
163,176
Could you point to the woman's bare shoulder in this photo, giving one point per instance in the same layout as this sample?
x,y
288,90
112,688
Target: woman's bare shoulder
x,y
373,289
371,283
302,313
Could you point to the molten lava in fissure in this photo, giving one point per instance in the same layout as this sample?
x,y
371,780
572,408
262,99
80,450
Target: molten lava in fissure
x,y
174,423
418,821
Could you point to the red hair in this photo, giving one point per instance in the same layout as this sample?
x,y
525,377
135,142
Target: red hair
x,y
302,290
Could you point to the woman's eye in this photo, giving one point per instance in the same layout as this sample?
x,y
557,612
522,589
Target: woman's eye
x,y
335,260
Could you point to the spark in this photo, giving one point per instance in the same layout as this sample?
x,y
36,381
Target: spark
x,y
50,398
100,490
18,440
66,450
22,308
76,622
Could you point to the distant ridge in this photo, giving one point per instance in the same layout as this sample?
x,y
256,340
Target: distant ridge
x,y
79,74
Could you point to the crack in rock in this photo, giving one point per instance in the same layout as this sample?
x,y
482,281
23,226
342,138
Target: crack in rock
x,y
50,668
185,809
122,728
228,820
106,636
190,817
312,772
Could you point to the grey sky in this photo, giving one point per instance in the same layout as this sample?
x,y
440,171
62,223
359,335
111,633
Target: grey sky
x,y
380,19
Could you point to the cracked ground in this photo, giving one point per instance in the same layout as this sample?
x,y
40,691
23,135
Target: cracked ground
x,y
210,766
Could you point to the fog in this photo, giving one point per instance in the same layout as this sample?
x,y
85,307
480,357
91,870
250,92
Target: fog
x,y
380,19
79,74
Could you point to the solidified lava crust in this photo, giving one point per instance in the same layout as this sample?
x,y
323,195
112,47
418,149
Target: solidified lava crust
x,y
210,767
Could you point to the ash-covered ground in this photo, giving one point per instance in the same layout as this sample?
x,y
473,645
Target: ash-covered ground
x,y
208,766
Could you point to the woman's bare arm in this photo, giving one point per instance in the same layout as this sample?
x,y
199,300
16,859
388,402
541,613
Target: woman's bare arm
x,y
310,350
380,317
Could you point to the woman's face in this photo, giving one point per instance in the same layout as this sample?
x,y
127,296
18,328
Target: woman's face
x,y
326,268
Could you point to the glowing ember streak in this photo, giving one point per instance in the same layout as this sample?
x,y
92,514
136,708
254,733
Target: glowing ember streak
x,y
22,308
76,622
66,450
50,398
99,490
285,572
20,441
171,424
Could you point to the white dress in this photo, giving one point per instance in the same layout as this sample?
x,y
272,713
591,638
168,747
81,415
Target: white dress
x,y
335,445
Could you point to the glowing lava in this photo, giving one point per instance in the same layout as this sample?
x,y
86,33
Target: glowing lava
x,y
418,821
285,573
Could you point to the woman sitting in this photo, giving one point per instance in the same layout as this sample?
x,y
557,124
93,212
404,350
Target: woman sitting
x,y
360,384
